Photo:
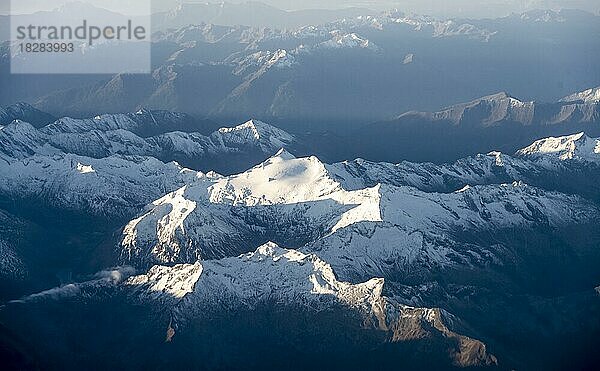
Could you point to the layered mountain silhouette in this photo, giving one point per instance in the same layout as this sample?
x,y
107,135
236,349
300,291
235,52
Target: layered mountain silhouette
x,y
345,71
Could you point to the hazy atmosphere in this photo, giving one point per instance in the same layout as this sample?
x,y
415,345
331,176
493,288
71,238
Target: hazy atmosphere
x,y
300,185
444,8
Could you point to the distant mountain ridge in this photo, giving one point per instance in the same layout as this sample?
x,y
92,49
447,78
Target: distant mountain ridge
x,y
502,107
25,112
227,72
168,136
497,121
587,96
252,13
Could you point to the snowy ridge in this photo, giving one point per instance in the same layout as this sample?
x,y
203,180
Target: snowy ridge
x,y
264,60
351,40
419,230
552,151
587,96
106,122
110,135
289,278
20,139
497,107
266,137
311,35
444,28
11,264
76,164
283,279
270,272
541,15
115,185
492,168
501,107
260,62
251,136
281,59
287,197
177,281
419,23
24,112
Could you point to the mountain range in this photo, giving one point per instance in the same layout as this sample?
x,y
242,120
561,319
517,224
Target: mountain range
x,y
253,14
336,73
498,121
421,260
330,189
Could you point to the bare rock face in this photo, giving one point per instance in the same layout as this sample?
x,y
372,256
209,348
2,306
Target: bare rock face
x,y
420,324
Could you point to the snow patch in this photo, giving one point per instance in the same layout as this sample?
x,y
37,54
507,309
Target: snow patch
x,y
85,169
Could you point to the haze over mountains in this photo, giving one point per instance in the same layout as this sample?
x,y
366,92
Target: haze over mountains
x,y
363,68
350,189
497,121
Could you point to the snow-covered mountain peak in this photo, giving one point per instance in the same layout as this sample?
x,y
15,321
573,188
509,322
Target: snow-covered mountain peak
x,y
542,15
20,139
19,126
251,126
269,138
270,272
498,99
176,281
503,96
291,190
280,179
255,126
572,147
105,122
586,96
498,157
498,107
281,59
350,40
